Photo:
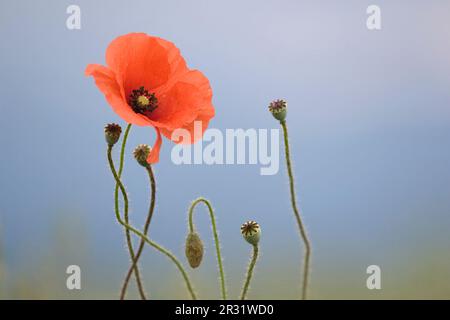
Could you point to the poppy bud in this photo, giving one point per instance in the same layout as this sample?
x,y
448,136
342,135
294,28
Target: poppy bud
x,y
141,153
112,133
278,108
251,232
194,249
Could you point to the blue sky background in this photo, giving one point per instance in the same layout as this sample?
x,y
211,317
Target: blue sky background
x,y
369,120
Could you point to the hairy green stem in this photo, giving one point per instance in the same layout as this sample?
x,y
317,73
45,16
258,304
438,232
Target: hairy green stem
x,y
126,217
298,218
146,227
158,247
216,239
251,266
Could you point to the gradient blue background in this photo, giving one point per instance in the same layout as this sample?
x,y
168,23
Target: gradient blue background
x,y
369,119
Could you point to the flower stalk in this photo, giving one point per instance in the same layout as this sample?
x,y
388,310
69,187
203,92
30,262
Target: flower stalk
x,y
140,234
216,238
297,215
151,209
251,231
126,217
249,275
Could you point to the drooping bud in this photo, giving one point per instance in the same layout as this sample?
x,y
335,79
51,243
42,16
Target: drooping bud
x,y
194,249
112,133
141,153
251,232
278,108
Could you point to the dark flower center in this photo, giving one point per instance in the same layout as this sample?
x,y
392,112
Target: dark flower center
x,y
249,228
277,105
142,101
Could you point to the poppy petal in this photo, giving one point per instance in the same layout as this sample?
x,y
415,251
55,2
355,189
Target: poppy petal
x,y
106,82
153,156
182,102
201,122
142,60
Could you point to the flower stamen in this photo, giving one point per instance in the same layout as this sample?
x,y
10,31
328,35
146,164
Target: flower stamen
x,y
142,101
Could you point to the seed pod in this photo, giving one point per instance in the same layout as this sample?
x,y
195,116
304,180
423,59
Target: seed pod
x,y
141,153
278,108
194,249
251,231
112,133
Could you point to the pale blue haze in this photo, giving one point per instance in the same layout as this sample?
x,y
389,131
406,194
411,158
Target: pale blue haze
x,y
369,118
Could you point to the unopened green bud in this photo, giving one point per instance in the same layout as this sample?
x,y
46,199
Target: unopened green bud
x,y
251,232
194,249
112,133
141,153
278,108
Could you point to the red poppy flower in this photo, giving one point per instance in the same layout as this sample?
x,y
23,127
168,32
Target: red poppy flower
x,y
147,83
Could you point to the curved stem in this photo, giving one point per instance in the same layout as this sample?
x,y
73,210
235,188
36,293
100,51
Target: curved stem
x,y
216,239
146,227
143,236
122,151
127,232
301,227
250,271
